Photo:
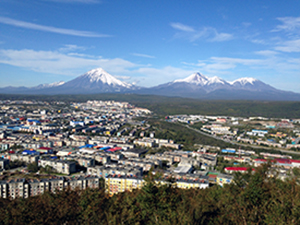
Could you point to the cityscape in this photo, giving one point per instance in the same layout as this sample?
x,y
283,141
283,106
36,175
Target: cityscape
x,y
105,144
149,112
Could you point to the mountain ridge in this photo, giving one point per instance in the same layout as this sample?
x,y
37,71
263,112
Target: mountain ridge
x,y
195,85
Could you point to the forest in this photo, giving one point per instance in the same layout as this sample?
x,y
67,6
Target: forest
x,y
253,198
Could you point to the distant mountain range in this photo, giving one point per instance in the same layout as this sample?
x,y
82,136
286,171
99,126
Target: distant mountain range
x,y
194,86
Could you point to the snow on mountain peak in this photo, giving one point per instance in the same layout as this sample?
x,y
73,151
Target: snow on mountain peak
x,y
55,84
195,78
216,80
244,80
200,79
100,75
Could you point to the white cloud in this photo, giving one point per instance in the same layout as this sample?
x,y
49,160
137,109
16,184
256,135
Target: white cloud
x,y
122,77
247,62
208,33
83,55
225,65
288,24
182,27
246,24
276,64
168,71
289,46
33,26
69,48
74,64
153,76
58,63
221,37
266,53
143,55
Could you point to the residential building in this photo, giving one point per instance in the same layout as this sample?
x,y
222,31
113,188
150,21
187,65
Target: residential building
x,y
60,166
24,188
224,179
3,163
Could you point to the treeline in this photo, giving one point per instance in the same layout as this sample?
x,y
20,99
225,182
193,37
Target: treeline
x,y
163,105
252,199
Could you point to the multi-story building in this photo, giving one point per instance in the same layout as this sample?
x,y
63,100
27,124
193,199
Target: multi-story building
x,y
118,183
105,171
3,163
82,182
12,188
102,158
134,153
82,161
192,183
144,142
22,158
161,157
24,188
145,164
60,166
222,179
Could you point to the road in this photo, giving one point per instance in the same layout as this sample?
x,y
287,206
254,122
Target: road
x,y
241,144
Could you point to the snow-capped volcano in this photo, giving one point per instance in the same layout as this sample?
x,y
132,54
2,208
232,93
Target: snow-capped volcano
x,y
207,84
244,81
194,86
251,84
95,81
201,80
213,83
203,87
100,75
195,78
55,84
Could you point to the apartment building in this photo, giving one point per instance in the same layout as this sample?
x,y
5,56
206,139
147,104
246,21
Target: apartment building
x,y
222,179
23,158
144,142
3,163
60,166
82,182
115,169
24,188
102,158
118,183
161,157
82,161
145,164
192,183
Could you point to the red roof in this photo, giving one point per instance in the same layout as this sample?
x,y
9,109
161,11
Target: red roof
x,y
98,146
261,160
114,149
212,175
237,168
45,148
295,161
286,161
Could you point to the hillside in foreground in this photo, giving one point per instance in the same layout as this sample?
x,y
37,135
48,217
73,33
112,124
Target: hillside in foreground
x,y
252,199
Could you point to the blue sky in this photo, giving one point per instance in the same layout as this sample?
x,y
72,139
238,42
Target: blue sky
x,y
150,42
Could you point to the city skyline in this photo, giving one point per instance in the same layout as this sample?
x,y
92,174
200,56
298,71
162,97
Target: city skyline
x,y
149,43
